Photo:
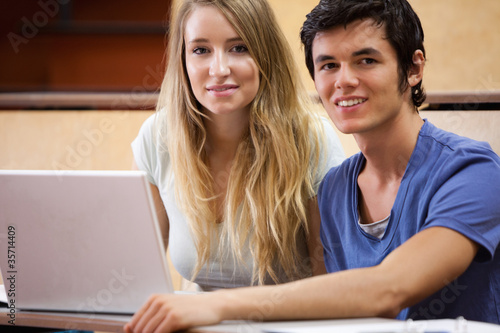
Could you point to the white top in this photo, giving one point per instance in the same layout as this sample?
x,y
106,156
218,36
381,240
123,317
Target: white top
x,y
221,271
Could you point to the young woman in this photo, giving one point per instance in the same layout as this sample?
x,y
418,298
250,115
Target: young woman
x,y
234,152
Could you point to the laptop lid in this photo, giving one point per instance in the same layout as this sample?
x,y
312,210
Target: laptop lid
x,y
80,241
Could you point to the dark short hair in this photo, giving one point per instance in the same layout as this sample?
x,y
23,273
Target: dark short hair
x,y
402,26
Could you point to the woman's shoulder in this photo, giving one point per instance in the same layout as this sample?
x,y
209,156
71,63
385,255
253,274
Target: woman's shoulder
x,y
148,149
150,122
152,130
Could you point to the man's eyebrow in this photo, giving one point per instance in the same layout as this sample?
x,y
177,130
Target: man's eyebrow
x,y
366,51
363,51
323,57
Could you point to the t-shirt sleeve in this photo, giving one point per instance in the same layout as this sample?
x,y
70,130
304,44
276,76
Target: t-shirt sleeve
x,y
331,153
144,149
469,199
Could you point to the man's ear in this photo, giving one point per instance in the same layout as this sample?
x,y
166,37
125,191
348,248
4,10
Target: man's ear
x,y
417,69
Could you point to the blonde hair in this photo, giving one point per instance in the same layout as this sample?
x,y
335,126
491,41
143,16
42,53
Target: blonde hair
x,y
272,176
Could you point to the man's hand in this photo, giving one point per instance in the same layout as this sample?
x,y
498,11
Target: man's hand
x,y
169,313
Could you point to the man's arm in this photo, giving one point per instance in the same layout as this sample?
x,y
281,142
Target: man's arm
x,y
418,268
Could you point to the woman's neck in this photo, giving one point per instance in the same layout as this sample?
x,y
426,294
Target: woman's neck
x,y
224,134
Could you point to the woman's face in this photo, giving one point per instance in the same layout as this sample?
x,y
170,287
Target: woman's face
x,y
223,75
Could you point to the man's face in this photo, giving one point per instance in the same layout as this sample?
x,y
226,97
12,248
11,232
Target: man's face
x,y
356,76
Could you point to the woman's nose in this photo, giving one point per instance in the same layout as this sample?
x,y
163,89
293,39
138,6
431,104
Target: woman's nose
x,y
219,65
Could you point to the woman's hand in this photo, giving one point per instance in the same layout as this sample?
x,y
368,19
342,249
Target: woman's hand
x,y
168,313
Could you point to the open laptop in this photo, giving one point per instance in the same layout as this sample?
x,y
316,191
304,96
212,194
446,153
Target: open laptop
x,y
80,241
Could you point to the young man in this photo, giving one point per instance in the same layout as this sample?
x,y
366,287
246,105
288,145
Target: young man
x,y
410,225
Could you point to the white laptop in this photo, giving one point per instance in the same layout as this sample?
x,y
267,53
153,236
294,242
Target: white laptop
x,y
80,241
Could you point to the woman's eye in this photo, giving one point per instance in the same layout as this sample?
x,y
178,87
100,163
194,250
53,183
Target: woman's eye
x,y
240,48
200,50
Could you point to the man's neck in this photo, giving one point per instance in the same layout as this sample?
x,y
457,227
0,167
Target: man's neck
x,y
388,149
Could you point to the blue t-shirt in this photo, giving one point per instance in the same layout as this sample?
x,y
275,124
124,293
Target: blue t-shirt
x,y
450,181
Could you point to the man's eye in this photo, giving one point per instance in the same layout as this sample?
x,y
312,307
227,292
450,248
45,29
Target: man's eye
x,y
368,61
329,66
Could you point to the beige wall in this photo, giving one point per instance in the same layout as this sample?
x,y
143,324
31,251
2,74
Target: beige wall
x,y
78,140
462,41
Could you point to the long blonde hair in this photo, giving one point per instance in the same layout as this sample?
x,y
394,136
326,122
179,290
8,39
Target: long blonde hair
x,y
271,178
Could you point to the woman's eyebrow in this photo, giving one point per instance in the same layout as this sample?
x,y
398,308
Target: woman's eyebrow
x,y
206,40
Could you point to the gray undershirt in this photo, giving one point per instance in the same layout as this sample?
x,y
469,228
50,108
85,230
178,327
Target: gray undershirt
x,y
376,229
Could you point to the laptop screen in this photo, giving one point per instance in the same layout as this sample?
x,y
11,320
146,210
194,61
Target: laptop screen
x,y
80,241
